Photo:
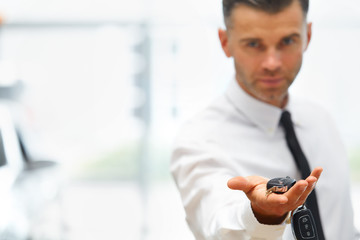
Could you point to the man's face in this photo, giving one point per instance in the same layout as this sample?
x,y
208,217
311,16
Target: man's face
x,y
267,50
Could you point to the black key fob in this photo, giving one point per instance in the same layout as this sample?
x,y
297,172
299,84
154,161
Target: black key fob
x,y
279,185
303,224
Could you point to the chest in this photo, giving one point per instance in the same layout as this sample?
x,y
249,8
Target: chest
x,y
256,152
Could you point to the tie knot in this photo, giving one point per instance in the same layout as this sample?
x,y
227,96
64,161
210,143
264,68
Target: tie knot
x,y
285,119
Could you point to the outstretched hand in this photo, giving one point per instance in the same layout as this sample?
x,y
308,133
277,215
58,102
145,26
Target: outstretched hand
x,y
273,209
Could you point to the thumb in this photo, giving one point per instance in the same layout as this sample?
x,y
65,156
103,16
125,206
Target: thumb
x,y
239,183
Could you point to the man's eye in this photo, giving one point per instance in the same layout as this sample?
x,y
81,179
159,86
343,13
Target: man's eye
x,y
288,41
254,44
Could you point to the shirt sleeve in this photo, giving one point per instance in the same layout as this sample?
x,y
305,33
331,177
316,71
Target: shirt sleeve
x,y
213,211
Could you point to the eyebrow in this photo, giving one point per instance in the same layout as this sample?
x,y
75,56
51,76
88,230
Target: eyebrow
x,y
249,39
259,39
293,35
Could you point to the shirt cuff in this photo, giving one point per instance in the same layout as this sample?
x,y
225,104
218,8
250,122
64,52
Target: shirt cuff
x,y
259,230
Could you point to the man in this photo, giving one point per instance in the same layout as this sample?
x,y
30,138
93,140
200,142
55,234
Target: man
x,y
238,141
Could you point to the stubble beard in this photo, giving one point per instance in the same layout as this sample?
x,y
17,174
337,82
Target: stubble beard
x,y
271,96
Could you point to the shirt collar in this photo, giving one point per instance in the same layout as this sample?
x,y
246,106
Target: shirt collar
x,y
262,114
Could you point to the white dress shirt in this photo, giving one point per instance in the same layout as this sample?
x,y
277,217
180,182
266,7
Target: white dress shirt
x,y
238,135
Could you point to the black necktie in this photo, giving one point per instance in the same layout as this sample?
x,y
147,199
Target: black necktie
x,y
302,165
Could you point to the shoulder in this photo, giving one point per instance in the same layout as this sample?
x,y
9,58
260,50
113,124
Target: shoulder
x,y
207,122
313,117
307,110
200,141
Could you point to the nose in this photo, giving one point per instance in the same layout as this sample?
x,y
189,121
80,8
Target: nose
x,y
272,61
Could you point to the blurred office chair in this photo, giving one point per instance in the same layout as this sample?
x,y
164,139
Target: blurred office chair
x,y
27,185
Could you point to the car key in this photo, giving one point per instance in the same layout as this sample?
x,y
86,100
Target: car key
x,y
279,185
303,224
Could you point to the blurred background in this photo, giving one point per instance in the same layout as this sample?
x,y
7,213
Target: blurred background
x,y
92,94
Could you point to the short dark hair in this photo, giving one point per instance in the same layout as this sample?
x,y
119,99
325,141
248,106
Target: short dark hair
x,y
270,6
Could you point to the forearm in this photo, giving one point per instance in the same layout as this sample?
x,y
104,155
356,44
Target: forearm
x,y
215,212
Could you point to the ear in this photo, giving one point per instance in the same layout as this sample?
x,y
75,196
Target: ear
x,y
224,41
308,35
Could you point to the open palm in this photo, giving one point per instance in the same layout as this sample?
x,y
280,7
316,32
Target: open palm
x,y
273,209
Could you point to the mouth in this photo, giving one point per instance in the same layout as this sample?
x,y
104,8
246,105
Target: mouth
x,y
271,81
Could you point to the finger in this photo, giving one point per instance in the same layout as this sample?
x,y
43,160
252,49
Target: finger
x,y
317,172
311,185
246,184
312,180
304,187
239,183
295,193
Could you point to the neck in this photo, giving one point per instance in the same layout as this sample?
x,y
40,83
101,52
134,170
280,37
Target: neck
x,y
277,101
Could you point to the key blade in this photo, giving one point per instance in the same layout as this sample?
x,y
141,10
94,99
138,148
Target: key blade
x,y
269,191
